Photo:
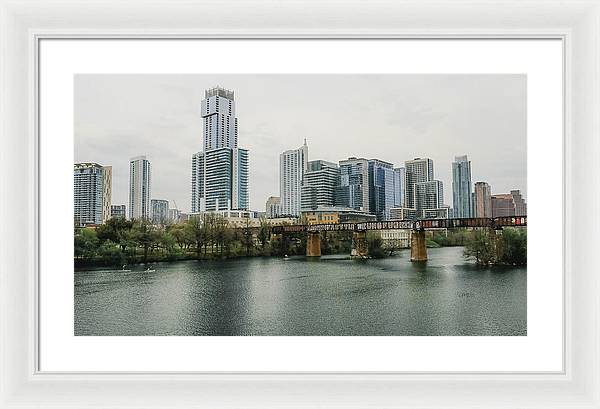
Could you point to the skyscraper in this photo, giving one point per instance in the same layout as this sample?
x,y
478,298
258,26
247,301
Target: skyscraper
x,y
482,200
118,211
461,187
139,187
292,165
381,188
220,171
399,182
353,188
318,184
160,211
416,171
92,193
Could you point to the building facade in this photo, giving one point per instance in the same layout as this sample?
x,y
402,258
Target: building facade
x,y
482,200
273,207
417,170
399,187
509,204
292,166
92,193
461,187
220,173
118,212
353,188
139,187
381,188
160,211
319,184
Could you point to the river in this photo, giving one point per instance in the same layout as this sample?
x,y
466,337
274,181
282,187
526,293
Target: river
x,y
330,296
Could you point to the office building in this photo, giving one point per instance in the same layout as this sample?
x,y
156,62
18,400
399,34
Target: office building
x,y
160,211
106,192
118,212
381,188
220,172
139,187
416,171
509,204
318,184
292,166
273,207
399,189
461,187
520,205
92,193
482,200
353,188
429,195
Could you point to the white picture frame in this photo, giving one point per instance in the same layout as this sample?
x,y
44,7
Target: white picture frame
x,y
24,23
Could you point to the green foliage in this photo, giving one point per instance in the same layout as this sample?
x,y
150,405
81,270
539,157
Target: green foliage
x,y
431,243
507,246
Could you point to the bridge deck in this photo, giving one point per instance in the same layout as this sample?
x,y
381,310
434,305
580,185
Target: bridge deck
x,y
512,221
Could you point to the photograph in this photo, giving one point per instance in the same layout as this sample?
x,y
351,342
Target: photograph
x,y
300,204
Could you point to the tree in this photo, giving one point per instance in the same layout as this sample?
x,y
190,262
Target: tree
x,y
86,243
514,246
145,236
481,246
264,234
196,231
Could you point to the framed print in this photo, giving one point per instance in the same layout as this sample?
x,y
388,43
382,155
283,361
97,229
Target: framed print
x,y
306,216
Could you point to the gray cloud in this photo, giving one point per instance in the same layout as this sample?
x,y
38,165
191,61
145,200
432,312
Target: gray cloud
x,y
390,117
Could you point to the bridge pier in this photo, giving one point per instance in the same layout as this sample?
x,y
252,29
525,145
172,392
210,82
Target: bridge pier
x,y
418,250
360,246
313,244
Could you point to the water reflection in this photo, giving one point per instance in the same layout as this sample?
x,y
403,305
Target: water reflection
x,y
330,296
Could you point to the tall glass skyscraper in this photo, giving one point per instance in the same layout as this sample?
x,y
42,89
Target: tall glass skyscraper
x,y
353,189
461,187
292,166
220,172
381,188
417,170
139,187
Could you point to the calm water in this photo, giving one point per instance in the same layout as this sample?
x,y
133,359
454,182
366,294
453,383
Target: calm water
x,y
333,296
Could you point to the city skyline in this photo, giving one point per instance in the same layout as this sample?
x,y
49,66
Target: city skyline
x,y
500,161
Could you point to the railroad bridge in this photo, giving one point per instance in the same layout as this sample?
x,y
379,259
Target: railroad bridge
x,y
418,250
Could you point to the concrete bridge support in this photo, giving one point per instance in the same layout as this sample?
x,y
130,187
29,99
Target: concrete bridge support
x,y
418,250
360,247
313,244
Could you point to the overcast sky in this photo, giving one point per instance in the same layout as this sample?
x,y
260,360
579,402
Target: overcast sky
x,y
389,117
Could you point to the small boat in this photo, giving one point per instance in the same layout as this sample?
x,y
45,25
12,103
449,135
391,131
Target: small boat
x,y
124,270
285,257
149,270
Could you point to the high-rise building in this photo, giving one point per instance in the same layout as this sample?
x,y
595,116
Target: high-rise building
x,y
482,200
220,123
92,193
292,165
106,192
520,205
160,211
118,212
381,188
353,189
399,182
273,207
220,171
423,193
139,187
318,185
509,204
416,171
461,187
429,195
